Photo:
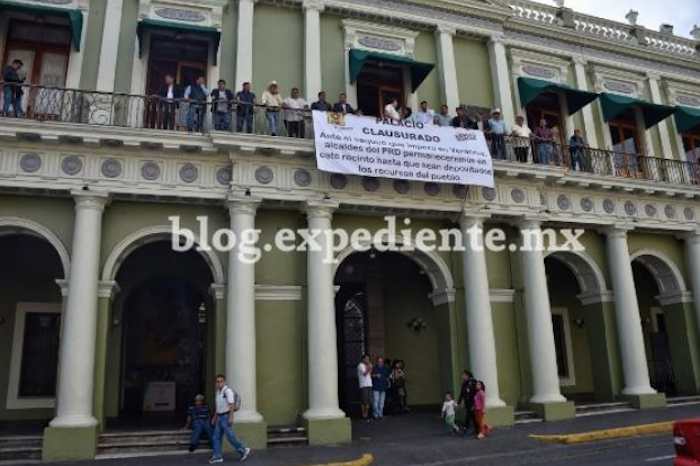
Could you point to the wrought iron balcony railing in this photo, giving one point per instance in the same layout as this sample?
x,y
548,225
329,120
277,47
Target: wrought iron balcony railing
x,y
42,103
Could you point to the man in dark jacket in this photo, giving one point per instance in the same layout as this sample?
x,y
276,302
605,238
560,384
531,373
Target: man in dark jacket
x,y
466,398
168,96
343,106
196,94
245,100
462,120
222,106
12,91
321,104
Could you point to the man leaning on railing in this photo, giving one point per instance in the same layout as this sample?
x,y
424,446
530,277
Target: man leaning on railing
x,y
222,106
577,148
245,110
197,95
12,92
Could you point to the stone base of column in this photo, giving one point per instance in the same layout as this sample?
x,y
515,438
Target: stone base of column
x,y
252,434
328,431
646,401
501,416
555,411
69,443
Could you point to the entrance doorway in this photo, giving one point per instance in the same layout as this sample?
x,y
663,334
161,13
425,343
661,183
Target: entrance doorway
x,y
185,60
165,329
383,309
377,85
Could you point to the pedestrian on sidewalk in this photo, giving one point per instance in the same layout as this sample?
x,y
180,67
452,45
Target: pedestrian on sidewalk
x,y
448,413
482,428
398,380
199,420
227,402
380,385
466,399
364,378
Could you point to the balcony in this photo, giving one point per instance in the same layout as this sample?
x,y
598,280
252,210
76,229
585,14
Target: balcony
x,y
175,123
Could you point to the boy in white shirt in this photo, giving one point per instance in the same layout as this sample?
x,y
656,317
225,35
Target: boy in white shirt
x,y
448,413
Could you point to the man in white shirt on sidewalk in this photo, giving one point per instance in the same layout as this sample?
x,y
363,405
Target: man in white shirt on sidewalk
x,y
364,377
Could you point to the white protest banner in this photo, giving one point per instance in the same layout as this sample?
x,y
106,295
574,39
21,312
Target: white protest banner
x,y
376,147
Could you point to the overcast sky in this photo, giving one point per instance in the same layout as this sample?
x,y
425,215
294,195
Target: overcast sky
x,y
681,13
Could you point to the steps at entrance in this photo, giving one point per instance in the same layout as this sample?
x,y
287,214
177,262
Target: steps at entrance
x,y
23,448
527,417
683,400
286,436
599,409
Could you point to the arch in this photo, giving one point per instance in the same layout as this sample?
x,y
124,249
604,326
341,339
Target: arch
x,y
429,261
667,275
151,235
590,278
10,225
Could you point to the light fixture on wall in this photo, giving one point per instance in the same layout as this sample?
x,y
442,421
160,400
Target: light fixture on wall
x,y
580,323
3,320
417,324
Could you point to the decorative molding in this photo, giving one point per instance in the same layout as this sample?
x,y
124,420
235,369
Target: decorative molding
x,y
380,37
502,295
201,12
442,296
596,297
107,289
278,293
679,297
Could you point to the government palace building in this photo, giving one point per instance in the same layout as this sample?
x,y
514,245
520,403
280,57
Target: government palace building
x,y
108,331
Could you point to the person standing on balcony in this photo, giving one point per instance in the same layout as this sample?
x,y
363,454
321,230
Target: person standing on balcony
x,y
222,106
196,94
545,143
167,102
321,104
294,106
272,100
577,148
462,120
245,109
342,106
497,129
424,115
391,111
521,134
443,118
12,91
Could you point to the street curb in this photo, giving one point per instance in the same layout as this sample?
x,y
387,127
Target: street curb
x,y
607,434
365,460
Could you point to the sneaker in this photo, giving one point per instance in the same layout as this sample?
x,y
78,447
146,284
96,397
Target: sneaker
x,y
213,460
191,449
246,454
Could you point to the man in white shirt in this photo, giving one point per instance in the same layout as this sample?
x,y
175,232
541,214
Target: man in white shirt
x,y
294,113
424,115
391,111
521,143
444,118
226,405
364,377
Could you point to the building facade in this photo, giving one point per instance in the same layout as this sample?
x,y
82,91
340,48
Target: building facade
x,y
102,324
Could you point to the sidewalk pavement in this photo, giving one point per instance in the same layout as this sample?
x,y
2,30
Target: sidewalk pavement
x,y
421,439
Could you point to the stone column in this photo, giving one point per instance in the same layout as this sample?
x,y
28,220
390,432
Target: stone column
x,y
110,46
503,97
546,397
448,68
482,343
240,313
244,42
587,111
655,92
629,324
74,392
312,48
326,422
692,250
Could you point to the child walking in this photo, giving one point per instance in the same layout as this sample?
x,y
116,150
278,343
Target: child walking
x,y
448,413
482,428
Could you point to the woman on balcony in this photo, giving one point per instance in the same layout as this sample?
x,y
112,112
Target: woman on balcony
x,y
272,100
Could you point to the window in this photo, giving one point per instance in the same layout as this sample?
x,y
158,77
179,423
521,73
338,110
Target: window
x,y
691,144
377,85
625,140
563,346
547,106
34,360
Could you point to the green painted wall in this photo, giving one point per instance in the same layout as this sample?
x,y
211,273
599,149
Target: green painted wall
x,y
426,51
277,267
332,57
227,46
507,352
127,46
473,72
278,38
92,44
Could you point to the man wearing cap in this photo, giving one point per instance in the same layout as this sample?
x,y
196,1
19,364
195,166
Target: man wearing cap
x,y
199,421
497,129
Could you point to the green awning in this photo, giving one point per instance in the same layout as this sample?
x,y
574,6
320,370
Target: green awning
x,y
74,16
419,71
531,88
154,24
615,105
687,119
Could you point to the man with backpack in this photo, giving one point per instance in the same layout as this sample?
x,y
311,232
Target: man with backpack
x,y
227,402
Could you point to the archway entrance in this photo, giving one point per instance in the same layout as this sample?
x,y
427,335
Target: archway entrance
x,y
164,311
383,308
30,323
